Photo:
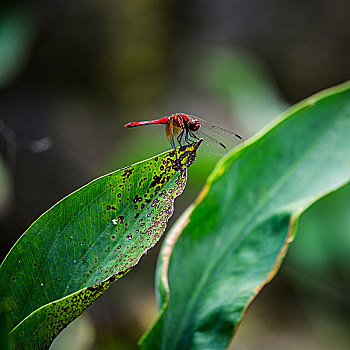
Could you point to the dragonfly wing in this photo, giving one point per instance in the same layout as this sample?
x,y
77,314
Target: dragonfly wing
x,y
173,132
169,132
209,144
216,140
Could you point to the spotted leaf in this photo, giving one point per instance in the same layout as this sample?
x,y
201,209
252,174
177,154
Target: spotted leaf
x,y
79,247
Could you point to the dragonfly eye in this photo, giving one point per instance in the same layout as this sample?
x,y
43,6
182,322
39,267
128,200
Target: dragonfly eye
x,y
193,124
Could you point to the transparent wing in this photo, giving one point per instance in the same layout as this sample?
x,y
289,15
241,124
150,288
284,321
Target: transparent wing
x,y
216,140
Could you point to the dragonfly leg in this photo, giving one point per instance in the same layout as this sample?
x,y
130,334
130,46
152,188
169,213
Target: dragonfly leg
x,y
179,138
173,142
188,139
193,135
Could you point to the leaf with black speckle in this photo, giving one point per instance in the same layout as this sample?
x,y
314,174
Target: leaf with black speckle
x,y
78,248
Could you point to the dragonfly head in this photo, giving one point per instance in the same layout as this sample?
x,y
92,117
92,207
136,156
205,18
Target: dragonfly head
x,y
193,124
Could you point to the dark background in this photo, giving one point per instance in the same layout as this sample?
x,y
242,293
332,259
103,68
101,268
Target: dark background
x,y
72,73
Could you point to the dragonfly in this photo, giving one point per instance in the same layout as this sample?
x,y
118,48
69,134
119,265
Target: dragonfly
x,y
184,129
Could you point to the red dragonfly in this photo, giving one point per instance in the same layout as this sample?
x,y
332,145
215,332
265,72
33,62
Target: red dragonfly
x,y
184,129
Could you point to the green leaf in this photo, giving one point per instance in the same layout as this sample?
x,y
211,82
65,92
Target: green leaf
x,y
78,248
231,242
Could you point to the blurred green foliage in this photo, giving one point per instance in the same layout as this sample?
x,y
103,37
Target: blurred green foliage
x,y
18,30
5,188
